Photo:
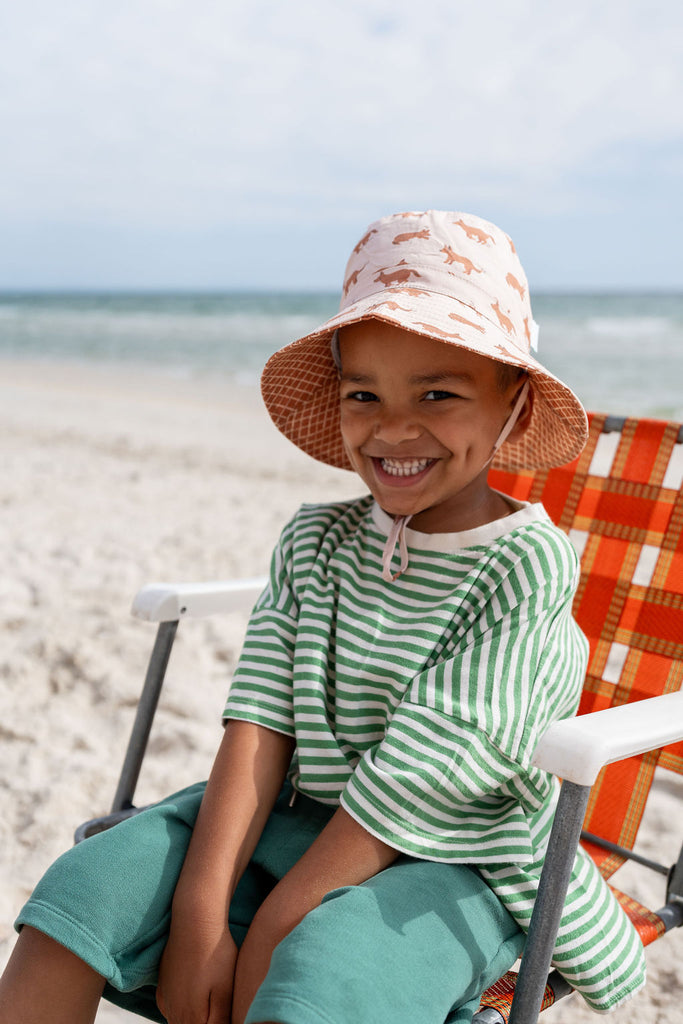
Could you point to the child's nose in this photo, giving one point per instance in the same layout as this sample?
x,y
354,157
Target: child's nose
x,y
395,426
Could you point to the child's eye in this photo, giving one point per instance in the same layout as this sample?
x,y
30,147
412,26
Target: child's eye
x,y
439,396
362,396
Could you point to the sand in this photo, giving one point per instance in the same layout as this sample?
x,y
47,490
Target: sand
x,y
112,478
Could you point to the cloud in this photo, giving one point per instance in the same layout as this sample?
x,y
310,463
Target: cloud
x,y
199,114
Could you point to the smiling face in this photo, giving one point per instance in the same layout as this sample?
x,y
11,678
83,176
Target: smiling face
x,y
419,419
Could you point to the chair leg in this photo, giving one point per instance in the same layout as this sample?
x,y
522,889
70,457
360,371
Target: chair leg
x,y
549,904
144,716
674,890
122,806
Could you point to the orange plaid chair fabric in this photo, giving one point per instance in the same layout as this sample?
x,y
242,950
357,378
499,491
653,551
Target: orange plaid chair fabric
x,y
621,503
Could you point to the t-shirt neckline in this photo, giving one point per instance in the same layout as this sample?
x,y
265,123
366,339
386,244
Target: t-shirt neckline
x,y
523,514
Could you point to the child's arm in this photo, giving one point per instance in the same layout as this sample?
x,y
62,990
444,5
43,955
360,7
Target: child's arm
x,y
343,854
196,972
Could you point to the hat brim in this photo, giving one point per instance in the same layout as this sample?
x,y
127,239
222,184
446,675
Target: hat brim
x,y
300,383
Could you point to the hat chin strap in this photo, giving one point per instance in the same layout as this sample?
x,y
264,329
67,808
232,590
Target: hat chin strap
x,y
396,533
511,420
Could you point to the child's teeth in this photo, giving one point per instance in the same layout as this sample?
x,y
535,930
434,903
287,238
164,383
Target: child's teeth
x,y
404,467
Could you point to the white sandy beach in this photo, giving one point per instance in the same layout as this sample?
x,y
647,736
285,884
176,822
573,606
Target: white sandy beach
x,y
112,478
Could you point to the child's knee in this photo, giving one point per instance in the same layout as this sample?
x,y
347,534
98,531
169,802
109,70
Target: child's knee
x,y
369,953
343,963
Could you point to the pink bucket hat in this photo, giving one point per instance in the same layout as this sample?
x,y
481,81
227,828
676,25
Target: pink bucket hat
x,y
449,276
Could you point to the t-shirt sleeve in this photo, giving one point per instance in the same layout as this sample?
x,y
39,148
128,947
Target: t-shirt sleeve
x,y
451,779
261,688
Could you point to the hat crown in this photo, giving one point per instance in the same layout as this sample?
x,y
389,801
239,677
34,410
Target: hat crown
x,y
457,255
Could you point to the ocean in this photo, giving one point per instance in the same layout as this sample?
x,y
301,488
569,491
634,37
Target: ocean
x,y
621,353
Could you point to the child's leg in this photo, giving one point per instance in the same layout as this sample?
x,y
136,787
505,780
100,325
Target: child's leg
x,y
103,910
44,981
106,903
416,942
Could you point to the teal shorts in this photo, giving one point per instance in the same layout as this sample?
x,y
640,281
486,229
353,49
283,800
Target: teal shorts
x,y
419,941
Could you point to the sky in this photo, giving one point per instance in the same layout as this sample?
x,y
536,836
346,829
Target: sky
x,y
199,144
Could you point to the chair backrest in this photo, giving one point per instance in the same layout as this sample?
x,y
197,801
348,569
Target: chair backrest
x,y
621,503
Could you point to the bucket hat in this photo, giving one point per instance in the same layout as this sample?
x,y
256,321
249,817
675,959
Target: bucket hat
x,y
449,276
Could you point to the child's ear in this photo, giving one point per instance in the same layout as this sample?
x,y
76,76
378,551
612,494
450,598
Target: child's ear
x,y
524,418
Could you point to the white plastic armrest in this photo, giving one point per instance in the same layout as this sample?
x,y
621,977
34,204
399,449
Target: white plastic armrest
x,y
166,602
577,748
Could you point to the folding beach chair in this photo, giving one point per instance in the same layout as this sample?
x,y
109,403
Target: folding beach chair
x,y
621,502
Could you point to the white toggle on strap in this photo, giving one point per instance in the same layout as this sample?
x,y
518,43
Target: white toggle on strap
x,y
397,532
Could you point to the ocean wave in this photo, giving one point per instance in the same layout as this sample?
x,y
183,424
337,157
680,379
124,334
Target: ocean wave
x,y
633,326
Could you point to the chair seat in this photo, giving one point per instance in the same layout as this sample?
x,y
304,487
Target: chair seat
x,y
648,924
499,996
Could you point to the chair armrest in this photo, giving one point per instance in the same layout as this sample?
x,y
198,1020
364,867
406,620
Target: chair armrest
x,y
168,602
576,749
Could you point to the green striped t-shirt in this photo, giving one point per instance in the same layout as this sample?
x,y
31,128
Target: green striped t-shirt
x,y
416,704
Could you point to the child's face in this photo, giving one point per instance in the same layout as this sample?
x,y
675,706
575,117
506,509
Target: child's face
x,y
419,419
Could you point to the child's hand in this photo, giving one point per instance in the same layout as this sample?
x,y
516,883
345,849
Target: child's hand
x,y
196,977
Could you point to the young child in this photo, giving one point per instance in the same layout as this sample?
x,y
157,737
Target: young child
x,y
371,837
